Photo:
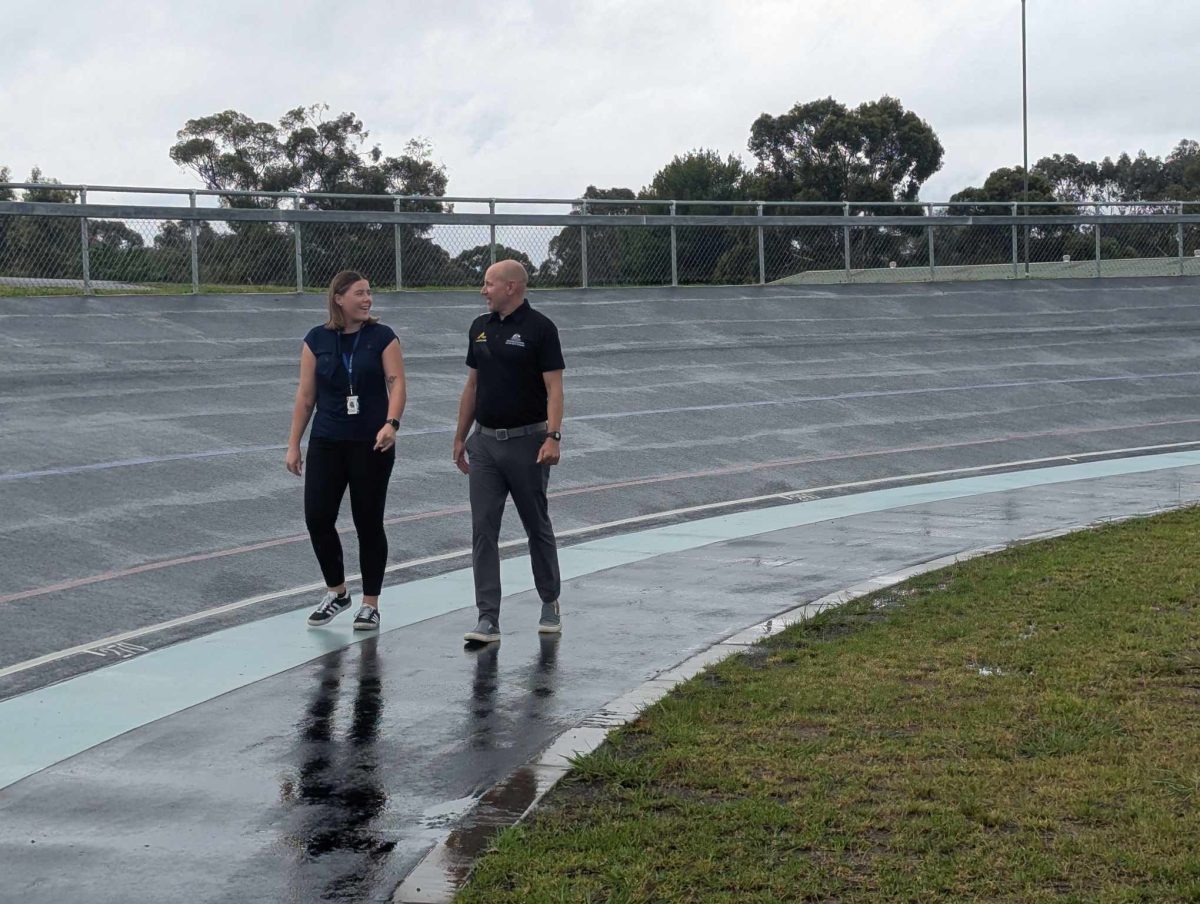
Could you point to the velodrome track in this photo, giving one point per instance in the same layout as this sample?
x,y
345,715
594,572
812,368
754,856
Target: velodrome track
x,y
140,461
145,504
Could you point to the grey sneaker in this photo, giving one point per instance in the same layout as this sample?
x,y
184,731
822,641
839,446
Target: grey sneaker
x,y
486,631
330,606
367,619
551,620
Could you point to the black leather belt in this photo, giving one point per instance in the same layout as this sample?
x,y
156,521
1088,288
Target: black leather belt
x,y
502,433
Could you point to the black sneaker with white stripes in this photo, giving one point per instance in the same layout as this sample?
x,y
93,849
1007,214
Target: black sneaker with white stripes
x,y
367,619
330,606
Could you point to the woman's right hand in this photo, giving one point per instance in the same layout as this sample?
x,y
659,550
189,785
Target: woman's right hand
x,y
293,462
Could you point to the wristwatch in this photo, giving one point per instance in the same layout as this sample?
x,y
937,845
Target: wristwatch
x,y
395,423
554,435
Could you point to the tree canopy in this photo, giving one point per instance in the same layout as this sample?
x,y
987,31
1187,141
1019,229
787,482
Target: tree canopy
x,y
1129,179
48,246
825,151
1005,185
304,152
700,174
310,151
474,261
819,151
708,254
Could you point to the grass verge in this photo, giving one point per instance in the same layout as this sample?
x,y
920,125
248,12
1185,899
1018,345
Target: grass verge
x,y
146,289
205,289
1021,727
27,292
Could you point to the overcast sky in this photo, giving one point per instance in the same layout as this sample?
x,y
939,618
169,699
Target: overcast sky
x,y
544,97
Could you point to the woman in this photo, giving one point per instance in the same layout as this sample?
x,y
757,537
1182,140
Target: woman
x,y
352,372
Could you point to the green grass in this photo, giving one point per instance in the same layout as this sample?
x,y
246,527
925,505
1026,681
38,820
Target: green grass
x,y
216,289
951,273
205,289
27,292
1080,269
865,756
146,289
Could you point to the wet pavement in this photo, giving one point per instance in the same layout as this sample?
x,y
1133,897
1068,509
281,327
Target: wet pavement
x,y
328,781
141,473
280,768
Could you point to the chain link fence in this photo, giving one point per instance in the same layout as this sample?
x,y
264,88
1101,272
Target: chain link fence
x,y
289,243
1190,241
40,250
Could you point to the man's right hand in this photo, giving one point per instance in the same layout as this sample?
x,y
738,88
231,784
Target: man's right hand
x,y
460,456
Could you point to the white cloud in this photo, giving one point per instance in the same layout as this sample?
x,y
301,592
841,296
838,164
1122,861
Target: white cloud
x,y
541,98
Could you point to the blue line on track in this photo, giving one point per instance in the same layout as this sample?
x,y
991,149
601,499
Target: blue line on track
x,y
48,725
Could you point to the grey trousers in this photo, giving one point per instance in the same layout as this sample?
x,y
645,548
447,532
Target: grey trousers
x,y
500,468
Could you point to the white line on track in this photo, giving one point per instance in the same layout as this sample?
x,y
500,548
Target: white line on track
x,y
789,495
858,395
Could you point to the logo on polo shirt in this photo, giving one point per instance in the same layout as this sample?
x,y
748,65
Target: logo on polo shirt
x,y
516,339
482,337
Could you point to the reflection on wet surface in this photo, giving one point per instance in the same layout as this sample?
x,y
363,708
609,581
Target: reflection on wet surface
x,y
503,803
492,716
501,806
296,788
544,675
482,727
541,679
335,799
439,876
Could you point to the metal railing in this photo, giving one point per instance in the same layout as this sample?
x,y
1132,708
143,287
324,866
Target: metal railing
x,y
289,241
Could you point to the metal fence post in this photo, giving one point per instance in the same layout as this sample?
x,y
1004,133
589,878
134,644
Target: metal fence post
x,y
929,236
397,238
299,251
1179,238
1025,212
194,244
83,245
583,263
762,257
846,238
492,233
1096,232
1015,252
674,252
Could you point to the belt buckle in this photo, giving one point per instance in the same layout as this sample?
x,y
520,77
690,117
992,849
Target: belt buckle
x,y
501,434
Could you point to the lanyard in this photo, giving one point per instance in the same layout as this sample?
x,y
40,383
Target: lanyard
x,y
348,360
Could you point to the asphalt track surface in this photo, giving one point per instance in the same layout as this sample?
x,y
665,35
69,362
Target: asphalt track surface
x,y
141,475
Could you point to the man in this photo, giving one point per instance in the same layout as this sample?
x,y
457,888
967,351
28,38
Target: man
x,y
514,396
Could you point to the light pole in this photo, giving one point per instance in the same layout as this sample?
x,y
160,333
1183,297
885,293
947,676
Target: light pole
x,y
1024,137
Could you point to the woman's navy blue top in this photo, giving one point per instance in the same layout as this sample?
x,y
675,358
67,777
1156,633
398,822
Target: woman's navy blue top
x,y
333,382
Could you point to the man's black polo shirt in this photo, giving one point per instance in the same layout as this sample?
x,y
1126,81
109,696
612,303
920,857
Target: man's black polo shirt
x,y
510,356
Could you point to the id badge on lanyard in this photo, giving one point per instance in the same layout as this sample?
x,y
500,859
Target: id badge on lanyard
x,y
348,363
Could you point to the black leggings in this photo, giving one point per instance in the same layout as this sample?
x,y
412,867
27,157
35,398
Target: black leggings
x,y
332,466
